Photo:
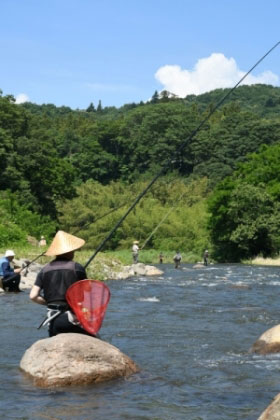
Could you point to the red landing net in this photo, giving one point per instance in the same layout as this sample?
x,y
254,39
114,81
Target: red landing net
x,y
89,300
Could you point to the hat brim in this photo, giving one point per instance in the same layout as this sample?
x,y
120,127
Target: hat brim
x,y
63,243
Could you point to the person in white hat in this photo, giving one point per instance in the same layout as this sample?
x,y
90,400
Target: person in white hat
x,y
10,276
135,251
53,281
42,241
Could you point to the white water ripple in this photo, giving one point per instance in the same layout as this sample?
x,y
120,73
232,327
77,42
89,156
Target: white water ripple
x,y
149,299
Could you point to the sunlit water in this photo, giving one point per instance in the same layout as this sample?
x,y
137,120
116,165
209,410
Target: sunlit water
x,y
189,331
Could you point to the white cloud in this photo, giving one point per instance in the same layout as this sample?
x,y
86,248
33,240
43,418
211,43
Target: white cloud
x,y
21,98
216,71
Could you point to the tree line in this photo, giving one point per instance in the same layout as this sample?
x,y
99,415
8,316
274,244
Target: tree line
x,y
55,160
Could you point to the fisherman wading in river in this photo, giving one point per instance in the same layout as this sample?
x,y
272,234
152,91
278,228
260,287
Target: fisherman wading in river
x,y
135,251
54,280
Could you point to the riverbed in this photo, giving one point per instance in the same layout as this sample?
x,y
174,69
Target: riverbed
x,y
189,330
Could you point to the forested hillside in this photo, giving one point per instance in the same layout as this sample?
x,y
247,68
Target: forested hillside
x,y
55,161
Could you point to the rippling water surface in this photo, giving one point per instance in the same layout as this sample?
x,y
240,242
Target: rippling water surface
x,y
189,330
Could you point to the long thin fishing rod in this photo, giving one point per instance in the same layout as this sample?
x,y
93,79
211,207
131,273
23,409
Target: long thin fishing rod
x,y
169,161
31,262
98,218
162,220
225,97
43,253
138,198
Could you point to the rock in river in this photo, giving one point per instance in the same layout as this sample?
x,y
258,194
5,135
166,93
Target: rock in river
x,y
268,342
272,412
74,359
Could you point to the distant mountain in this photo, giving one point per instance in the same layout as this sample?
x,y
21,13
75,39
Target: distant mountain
x,y
263,100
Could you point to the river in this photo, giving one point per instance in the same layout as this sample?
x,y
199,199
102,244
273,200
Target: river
x,y
189,330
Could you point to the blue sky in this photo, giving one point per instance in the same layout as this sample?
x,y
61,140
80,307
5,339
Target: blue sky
x,y
70,52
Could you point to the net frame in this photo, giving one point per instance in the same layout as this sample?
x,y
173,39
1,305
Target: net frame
x,y
89,299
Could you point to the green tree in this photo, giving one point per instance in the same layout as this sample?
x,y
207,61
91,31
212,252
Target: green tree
x,y
91,108
99,107
244,209
155,97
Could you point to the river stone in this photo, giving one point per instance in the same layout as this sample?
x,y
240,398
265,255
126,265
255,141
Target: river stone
x,y
153,271
268,342
139,269
74,359
272,412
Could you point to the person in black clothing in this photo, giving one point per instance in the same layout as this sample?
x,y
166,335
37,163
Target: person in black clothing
x,y
54,279
206,257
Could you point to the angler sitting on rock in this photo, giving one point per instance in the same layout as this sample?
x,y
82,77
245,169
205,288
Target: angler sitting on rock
x,y
54,280
10,276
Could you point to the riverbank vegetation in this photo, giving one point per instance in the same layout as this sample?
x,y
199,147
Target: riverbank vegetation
x,y
104,263
80,170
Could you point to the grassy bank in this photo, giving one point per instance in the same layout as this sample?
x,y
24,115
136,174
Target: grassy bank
x,y
264,261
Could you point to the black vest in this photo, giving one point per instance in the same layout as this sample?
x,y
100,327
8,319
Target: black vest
x,y
56,277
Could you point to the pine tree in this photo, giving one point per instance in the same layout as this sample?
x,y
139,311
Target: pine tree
x,y
155,97
90,108
99,107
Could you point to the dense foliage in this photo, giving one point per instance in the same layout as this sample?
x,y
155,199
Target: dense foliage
x,y
244,208
178,207
64,168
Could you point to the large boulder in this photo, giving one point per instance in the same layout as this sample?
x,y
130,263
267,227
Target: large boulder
x,y
272,412
138,269
268,342
153,271
74,359
141,269
199,265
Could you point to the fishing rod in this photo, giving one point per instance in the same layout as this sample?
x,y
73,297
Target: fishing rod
x,y
43,253
162,220
26,266
98,218
171,160
31,262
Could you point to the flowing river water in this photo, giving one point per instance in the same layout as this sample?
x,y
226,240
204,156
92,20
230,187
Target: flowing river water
x,y
189,330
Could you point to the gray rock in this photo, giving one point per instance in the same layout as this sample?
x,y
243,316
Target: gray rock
x,y
139,269
153,271
272,412
74,359
268,342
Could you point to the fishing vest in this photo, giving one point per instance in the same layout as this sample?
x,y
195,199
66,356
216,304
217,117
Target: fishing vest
x,y
2,260
55,278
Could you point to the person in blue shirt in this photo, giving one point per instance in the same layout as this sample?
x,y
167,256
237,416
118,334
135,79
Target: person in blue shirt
x,y
10,276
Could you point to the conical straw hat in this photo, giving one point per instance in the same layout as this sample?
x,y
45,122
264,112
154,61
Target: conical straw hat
x,y
64,242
